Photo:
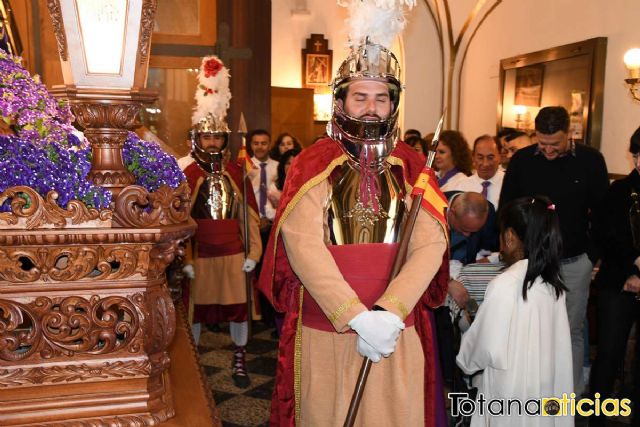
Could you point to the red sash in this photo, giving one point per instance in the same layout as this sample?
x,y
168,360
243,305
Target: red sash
x,y
368,279
218,237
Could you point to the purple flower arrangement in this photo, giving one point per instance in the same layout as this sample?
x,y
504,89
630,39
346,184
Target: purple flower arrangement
x,y
28,108
46,155
151,166
47,167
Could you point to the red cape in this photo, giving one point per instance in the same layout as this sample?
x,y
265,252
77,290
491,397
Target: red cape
x,y
281,285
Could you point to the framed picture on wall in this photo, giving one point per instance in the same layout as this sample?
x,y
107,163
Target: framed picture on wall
x,y
317,60
571,76
317,71
528,90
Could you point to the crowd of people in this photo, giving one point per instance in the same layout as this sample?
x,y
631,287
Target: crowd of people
x,y
483,286
595,229
557,214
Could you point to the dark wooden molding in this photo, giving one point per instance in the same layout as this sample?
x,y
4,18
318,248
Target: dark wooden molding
x,y
249,24
181,50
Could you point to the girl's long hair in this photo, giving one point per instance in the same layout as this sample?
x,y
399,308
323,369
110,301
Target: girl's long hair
x,y
535,222
281,165
274,153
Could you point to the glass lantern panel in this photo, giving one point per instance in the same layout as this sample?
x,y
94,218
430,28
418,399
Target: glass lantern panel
x,y
103,26
169,118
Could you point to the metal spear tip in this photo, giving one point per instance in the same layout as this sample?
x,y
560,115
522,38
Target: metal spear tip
x,y
436,135
242,125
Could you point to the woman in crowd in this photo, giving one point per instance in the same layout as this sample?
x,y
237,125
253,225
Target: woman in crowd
x,y
453,159
284,143
520,338
618,283
275,188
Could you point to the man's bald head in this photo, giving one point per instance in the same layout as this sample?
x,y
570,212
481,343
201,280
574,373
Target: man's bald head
x,y
468,212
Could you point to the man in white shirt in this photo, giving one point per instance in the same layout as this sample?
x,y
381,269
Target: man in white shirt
x,y
487,180
265,172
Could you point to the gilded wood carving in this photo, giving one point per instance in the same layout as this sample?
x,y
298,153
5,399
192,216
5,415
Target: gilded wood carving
x,y
58,27
136,207
74,373
65,263
31,211
146,29
47,327
107,315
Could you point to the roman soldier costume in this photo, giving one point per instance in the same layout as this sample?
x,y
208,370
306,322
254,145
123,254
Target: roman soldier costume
x,y
216,261
328,261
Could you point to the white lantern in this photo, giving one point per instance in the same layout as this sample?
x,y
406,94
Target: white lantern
x,y
105,43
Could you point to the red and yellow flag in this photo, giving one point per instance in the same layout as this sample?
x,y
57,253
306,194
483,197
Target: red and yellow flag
x,y
243,158
433,200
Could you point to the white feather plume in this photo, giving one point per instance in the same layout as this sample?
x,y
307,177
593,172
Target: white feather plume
x,y
380,20
212,94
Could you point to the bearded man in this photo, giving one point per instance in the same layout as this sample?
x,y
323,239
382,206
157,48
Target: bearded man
x,y
328,261
216,262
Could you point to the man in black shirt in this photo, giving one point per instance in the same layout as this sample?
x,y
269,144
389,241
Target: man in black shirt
x,y
574,177
618,283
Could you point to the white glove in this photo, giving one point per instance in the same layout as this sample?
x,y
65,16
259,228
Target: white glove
x,y
188,271
249,265
366,350
379,329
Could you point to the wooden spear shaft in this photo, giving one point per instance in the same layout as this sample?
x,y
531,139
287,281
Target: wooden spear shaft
x,y
242,130
247,276
401,255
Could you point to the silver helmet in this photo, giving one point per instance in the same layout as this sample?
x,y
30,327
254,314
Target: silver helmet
x,y
210,161
212,101
366,141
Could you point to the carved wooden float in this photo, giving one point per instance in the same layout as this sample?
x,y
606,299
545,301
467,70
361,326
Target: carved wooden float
x,y
85,314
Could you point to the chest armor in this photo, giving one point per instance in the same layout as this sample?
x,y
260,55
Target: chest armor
x,y
351,222
216,199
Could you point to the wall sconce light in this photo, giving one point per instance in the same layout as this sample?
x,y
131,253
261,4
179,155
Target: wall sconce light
x,y
322,107
632,62
520,111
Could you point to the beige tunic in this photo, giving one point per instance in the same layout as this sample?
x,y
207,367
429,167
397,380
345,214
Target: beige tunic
x,y
220,280
394,394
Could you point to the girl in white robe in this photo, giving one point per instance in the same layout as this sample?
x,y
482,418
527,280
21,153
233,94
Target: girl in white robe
x,y
520,339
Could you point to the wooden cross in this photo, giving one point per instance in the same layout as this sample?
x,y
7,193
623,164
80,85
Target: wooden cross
x,y
318,45
223,48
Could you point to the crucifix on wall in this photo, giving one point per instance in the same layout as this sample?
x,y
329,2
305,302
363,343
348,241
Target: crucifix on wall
x,y
316,64
223,47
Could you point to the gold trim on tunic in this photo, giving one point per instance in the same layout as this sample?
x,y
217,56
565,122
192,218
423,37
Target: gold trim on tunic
x,y
297,361
396,301
342,308
298,196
